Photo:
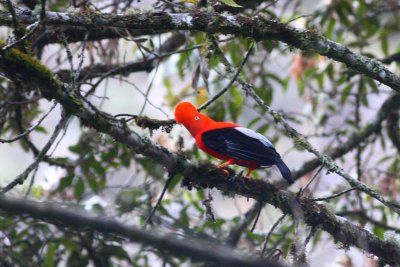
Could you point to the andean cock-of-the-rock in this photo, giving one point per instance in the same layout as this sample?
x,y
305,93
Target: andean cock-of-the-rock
x,y
230,142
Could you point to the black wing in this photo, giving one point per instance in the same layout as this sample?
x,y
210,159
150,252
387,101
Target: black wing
x,y
241,146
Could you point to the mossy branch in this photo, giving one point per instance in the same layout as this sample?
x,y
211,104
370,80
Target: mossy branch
x,y
305,209
301,143
194,248
257,27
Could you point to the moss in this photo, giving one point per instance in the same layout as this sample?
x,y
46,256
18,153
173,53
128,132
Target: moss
x,y
21,66
25,67
330,164
153,124
277,117
31,64
300,143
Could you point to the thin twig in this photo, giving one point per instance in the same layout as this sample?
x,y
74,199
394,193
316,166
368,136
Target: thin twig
x,y
270,233
303,142
311,180
362,215
121,69
28,191
234,77
169,180
143,94
43,10
13,15
30,129
71,64
22,177
237,231
336,195
310,235
324,159
149,87
33,27
257,217
82,57
59,140
265,7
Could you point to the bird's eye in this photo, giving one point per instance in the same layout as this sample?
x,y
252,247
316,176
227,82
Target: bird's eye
x,y
196,118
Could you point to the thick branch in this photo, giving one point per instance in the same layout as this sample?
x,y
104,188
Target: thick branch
x,y
15,64
301,142
256,27
51,35
198,250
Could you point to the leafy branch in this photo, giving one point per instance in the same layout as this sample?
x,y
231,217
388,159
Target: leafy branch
x,y
196,249
313,214
258,28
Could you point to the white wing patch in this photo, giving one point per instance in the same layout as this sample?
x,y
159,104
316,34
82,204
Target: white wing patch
x,y
255,135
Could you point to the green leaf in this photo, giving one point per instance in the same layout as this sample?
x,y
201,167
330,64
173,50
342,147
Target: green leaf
x,y
346,92
77,149
253,121
79,188
301,87
93,184
331,71
77,259
385,45
255,236
118,252
230,3
235,105
174,182
129,200
65,182
331,27
263,129
49,260
372,84
40,129
378,231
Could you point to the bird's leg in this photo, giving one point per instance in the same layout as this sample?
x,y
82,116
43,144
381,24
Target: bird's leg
x,y
247,176
223,165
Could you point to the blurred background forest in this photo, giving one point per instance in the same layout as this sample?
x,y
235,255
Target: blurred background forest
x,y
87,94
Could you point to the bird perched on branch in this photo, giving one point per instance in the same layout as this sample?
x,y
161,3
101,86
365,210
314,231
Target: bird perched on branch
x,y
231,142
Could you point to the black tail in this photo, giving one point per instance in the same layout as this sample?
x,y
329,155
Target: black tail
x,y
284,170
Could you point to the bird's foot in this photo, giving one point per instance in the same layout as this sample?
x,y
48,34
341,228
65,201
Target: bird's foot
x,y
225,171
247,178
221,167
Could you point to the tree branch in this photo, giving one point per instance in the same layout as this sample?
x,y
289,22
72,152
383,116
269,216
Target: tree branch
x,y
103,71
15,64
33,127
22,177
196,249
356,138
302,143
236,232
361,214
256,27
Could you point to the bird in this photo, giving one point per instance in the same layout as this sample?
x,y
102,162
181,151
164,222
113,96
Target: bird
x,y
230,142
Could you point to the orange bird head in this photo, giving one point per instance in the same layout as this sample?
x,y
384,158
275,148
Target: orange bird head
x,y
194,121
